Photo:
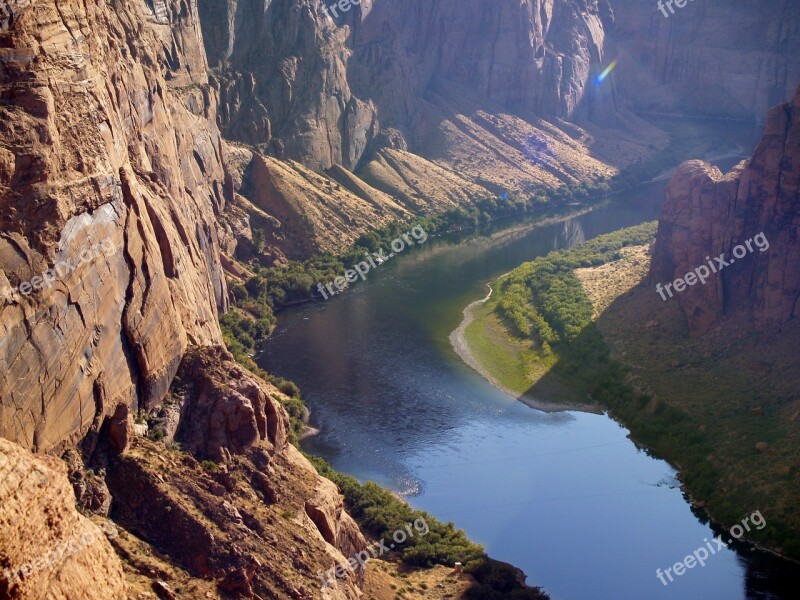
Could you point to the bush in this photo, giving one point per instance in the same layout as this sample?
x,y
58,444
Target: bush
x,y
380,513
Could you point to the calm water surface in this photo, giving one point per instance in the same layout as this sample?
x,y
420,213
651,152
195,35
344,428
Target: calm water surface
x,y
566,497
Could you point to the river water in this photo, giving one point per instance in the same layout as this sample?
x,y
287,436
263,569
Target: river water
x,y
566,497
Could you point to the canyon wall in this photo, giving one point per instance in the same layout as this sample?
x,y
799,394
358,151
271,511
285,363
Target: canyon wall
x,y
110,174
533,56
707,213
301,83
735,58
281,68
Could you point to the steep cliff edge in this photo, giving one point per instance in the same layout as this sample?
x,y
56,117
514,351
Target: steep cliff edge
x,y
535,56
108,134
258,520
112,183
708,214
478,90
281,68
56,553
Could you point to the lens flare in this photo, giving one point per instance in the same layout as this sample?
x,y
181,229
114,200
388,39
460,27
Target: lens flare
x,y
606,71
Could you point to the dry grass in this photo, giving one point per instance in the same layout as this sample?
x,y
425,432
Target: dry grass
x,y
389,581
606,283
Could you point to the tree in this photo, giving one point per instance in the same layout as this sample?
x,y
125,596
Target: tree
x,y
259,240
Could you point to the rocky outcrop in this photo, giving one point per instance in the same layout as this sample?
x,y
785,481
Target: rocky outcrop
x,y
706,214
314,212
224,409
710,58
260,521
111,176
48,549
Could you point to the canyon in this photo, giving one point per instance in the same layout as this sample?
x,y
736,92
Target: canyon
x,y
177,130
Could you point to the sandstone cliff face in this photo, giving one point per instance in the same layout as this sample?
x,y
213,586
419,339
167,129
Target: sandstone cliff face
x,y
317,88
107,135
531,55
707,213
48,549
281,68
712,57
464,84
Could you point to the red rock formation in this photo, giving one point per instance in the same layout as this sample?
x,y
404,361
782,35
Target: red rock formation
x,y
107,134
222,522
707,213
225,409
47,548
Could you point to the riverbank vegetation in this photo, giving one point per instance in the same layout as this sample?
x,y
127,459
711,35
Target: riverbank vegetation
x,y
380,513
690,402
537,328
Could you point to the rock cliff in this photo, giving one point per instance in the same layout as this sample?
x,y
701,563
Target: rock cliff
x,y
706,214
533,56
111,175
258,520
48,549
281,68
735,58
120,201
447,80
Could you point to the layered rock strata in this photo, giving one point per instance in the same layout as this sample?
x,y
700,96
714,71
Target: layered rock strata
x,y
107,140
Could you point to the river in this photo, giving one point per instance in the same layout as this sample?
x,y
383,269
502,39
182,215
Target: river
x,y
565,496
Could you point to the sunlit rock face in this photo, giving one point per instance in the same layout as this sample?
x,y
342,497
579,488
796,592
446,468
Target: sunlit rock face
x,y
110,164
47,548
706,214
